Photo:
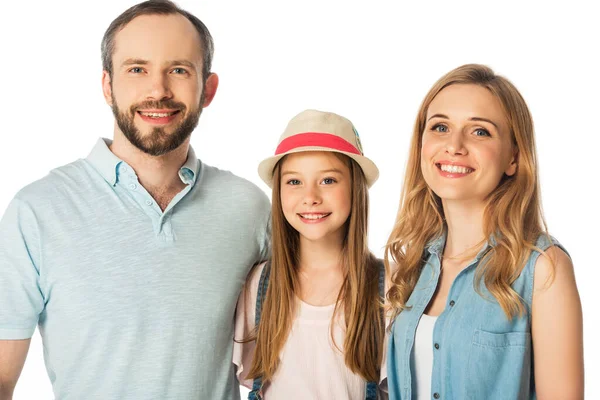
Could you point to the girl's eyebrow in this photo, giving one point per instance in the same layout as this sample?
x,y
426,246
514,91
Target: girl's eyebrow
x,y
323,171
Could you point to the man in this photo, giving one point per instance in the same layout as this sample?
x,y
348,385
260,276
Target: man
x,y
131,260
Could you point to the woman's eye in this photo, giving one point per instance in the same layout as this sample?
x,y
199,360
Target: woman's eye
x,y
440,128
293,182
482,132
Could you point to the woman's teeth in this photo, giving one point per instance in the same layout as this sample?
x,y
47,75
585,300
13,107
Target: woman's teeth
x,y
455,169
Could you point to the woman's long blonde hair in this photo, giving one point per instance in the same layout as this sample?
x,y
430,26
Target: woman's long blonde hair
x,y
358,299
512,217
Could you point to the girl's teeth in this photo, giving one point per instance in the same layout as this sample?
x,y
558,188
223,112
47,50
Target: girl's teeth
x,y
313,216
455,169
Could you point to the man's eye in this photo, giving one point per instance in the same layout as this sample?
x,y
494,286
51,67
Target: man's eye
x,y
136,70
179,71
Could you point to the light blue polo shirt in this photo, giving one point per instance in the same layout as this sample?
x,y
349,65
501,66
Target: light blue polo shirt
x,y
131,302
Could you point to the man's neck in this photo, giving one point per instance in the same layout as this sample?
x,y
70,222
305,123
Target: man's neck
x,y
159,175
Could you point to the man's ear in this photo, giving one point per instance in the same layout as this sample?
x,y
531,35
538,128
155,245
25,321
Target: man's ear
x,y
210,89
107,87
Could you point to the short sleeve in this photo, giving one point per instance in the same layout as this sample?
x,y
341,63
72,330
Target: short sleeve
x,y
244,325
21,298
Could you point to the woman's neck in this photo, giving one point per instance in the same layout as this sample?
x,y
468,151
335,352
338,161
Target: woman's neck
x,y
465,228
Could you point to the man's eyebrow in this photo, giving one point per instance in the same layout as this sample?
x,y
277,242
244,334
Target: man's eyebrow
x,y
185,63
134,61
139,61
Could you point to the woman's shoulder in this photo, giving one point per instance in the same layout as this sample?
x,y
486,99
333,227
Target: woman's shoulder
x,y
545,241
547,252
554,262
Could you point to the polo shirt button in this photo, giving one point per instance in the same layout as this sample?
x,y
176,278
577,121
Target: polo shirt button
x,y
437,346
124,168
148,202
132,186
452,303
436,395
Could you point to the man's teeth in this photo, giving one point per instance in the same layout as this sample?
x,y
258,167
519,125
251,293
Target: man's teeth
x,y
313,216
455,169
156,115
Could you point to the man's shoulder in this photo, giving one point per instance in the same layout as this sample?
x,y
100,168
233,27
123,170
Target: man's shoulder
x,y
56,183
227,182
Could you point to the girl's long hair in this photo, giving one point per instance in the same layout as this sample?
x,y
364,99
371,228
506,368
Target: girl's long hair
x,y
513,214
358,300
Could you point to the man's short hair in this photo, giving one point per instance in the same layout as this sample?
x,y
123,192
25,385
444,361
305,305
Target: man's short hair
x,y
153,7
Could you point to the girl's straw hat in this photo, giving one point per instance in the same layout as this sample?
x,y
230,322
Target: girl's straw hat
x,y
313,130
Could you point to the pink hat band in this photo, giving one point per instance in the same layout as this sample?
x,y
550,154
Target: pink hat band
x,y
315,139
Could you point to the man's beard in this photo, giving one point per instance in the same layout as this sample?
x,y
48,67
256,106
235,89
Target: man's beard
x,y
157,142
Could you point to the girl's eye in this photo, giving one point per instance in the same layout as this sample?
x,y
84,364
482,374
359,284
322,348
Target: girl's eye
x,y
329,181
293,182
440,128
482,132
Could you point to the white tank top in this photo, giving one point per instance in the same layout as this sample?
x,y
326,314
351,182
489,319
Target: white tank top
x,y
421,359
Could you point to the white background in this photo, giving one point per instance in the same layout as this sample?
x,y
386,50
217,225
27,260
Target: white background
x,y
370,61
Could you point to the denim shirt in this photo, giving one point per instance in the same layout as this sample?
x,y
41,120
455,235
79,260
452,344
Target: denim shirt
x,y
478,353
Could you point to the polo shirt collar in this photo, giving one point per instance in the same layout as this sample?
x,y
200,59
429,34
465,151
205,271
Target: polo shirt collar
x,y
189,171
104,161
107,164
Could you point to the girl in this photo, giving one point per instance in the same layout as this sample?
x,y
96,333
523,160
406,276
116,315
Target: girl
x,y
314,311
485,300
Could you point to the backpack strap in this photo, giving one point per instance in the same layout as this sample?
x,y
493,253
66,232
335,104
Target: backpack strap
x,y
263,284
371,388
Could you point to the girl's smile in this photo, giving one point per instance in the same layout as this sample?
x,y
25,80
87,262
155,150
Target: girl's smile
x,y
316,194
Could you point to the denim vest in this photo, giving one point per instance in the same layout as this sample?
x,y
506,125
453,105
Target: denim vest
x,y
477,352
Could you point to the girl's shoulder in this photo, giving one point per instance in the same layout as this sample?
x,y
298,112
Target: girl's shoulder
x,y
253,278
246,306
243,347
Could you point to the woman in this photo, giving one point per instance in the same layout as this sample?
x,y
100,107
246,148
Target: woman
x,y
484,300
